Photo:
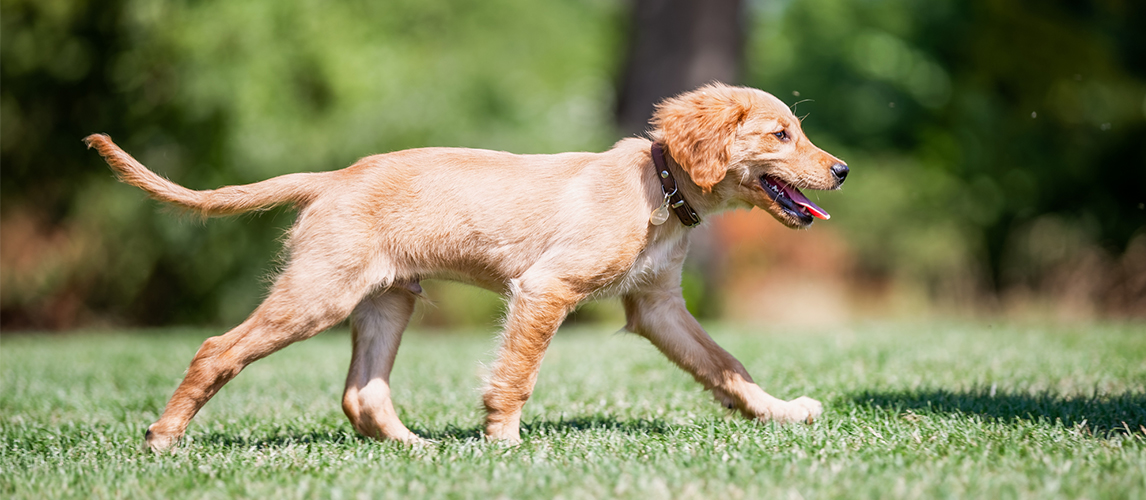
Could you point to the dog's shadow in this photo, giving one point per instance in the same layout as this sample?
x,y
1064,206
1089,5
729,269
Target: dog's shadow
x,y
294,437
549,427
277,439
1099,414
552,427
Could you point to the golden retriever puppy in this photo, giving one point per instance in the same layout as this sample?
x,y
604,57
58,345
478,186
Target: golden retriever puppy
x,y
546,231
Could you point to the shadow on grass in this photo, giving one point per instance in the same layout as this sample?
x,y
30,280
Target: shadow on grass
x,y
280,439
1102,414
342,435
545,427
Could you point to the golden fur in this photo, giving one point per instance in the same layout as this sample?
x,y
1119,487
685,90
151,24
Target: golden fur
x,y
547,231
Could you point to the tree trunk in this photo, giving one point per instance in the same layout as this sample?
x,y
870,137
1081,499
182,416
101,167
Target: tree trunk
x,y
674,46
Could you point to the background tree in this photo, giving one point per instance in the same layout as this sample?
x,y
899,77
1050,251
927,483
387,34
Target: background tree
x,y
997,145
998,142
675,46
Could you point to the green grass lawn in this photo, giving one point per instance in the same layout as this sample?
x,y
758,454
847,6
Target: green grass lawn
x,y
927,410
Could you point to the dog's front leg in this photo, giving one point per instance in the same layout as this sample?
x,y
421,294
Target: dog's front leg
x,y
660,316
536,309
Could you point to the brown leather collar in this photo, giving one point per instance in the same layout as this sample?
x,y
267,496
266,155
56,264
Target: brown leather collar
x,y
676,201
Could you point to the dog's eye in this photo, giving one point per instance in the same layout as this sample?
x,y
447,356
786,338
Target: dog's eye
x,y
782,135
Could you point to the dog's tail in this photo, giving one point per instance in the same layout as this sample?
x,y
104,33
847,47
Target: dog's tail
x,y
297,189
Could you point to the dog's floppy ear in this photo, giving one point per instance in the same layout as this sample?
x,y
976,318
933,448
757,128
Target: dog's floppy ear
x,y
697,128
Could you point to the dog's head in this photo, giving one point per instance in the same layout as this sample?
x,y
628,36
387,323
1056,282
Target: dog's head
x,y
742,144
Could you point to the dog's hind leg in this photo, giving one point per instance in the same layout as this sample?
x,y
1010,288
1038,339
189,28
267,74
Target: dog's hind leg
x,y
305,301
376,325
536,309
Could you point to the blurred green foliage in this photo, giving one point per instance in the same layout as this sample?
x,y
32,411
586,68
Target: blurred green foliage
x,y
969,125
210,93
967,122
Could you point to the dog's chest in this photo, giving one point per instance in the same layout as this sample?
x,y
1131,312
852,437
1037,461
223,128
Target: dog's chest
x,y
656,258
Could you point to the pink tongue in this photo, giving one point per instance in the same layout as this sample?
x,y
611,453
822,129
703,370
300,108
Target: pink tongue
x,y
803,201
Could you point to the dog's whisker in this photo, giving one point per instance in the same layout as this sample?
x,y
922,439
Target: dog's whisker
x,y
797,103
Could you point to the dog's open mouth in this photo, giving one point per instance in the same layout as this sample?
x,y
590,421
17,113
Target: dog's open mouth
x,y
791,200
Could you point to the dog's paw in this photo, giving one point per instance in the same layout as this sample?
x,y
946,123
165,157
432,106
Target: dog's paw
x,y
802,409
809,410
505,439
503,427
158,442
415,440
508,435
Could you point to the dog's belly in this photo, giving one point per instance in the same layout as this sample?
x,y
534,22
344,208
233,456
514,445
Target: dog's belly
x,y
490,283
649,263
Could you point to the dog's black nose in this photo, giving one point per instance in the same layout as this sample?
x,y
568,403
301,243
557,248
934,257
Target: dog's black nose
x,y
840,171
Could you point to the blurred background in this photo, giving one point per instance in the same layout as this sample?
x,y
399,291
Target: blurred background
x,y
997,147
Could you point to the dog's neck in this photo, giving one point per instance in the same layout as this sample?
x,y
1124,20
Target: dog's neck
x,y
676,185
